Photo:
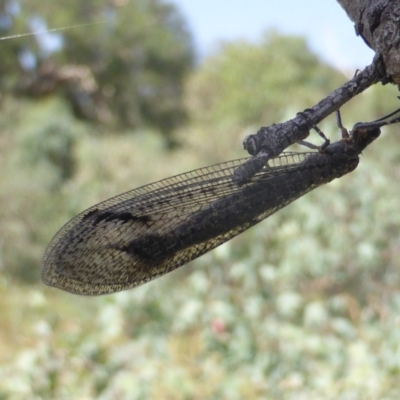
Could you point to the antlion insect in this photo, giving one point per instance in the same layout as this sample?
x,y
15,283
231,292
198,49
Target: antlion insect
x,y
147,232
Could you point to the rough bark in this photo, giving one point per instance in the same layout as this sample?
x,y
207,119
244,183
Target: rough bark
x,y
378,23
270,141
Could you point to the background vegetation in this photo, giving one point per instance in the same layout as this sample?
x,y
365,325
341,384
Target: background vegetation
x,y
305,305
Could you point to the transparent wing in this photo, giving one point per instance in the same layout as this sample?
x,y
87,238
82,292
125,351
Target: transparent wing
x,y
149,231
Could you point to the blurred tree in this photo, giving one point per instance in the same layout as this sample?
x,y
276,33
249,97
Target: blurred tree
x,y
47,139
246,83
127,69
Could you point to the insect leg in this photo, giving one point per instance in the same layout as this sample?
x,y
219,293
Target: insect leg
x,y
320,133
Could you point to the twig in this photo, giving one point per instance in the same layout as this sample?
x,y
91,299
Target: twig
x,y
271,141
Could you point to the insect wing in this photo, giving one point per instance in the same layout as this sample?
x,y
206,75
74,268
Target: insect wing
x,y
149,231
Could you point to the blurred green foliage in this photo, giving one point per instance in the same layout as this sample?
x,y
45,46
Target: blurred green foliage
x,y
253,83
126,67
48,137
305,305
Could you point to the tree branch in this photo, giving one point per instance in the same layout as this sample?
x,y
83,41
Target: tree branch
x,y
270,141
377,22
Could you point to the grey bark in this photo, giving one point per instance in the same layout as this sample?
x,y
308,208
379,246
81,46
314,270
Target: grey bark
x,y
378,23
